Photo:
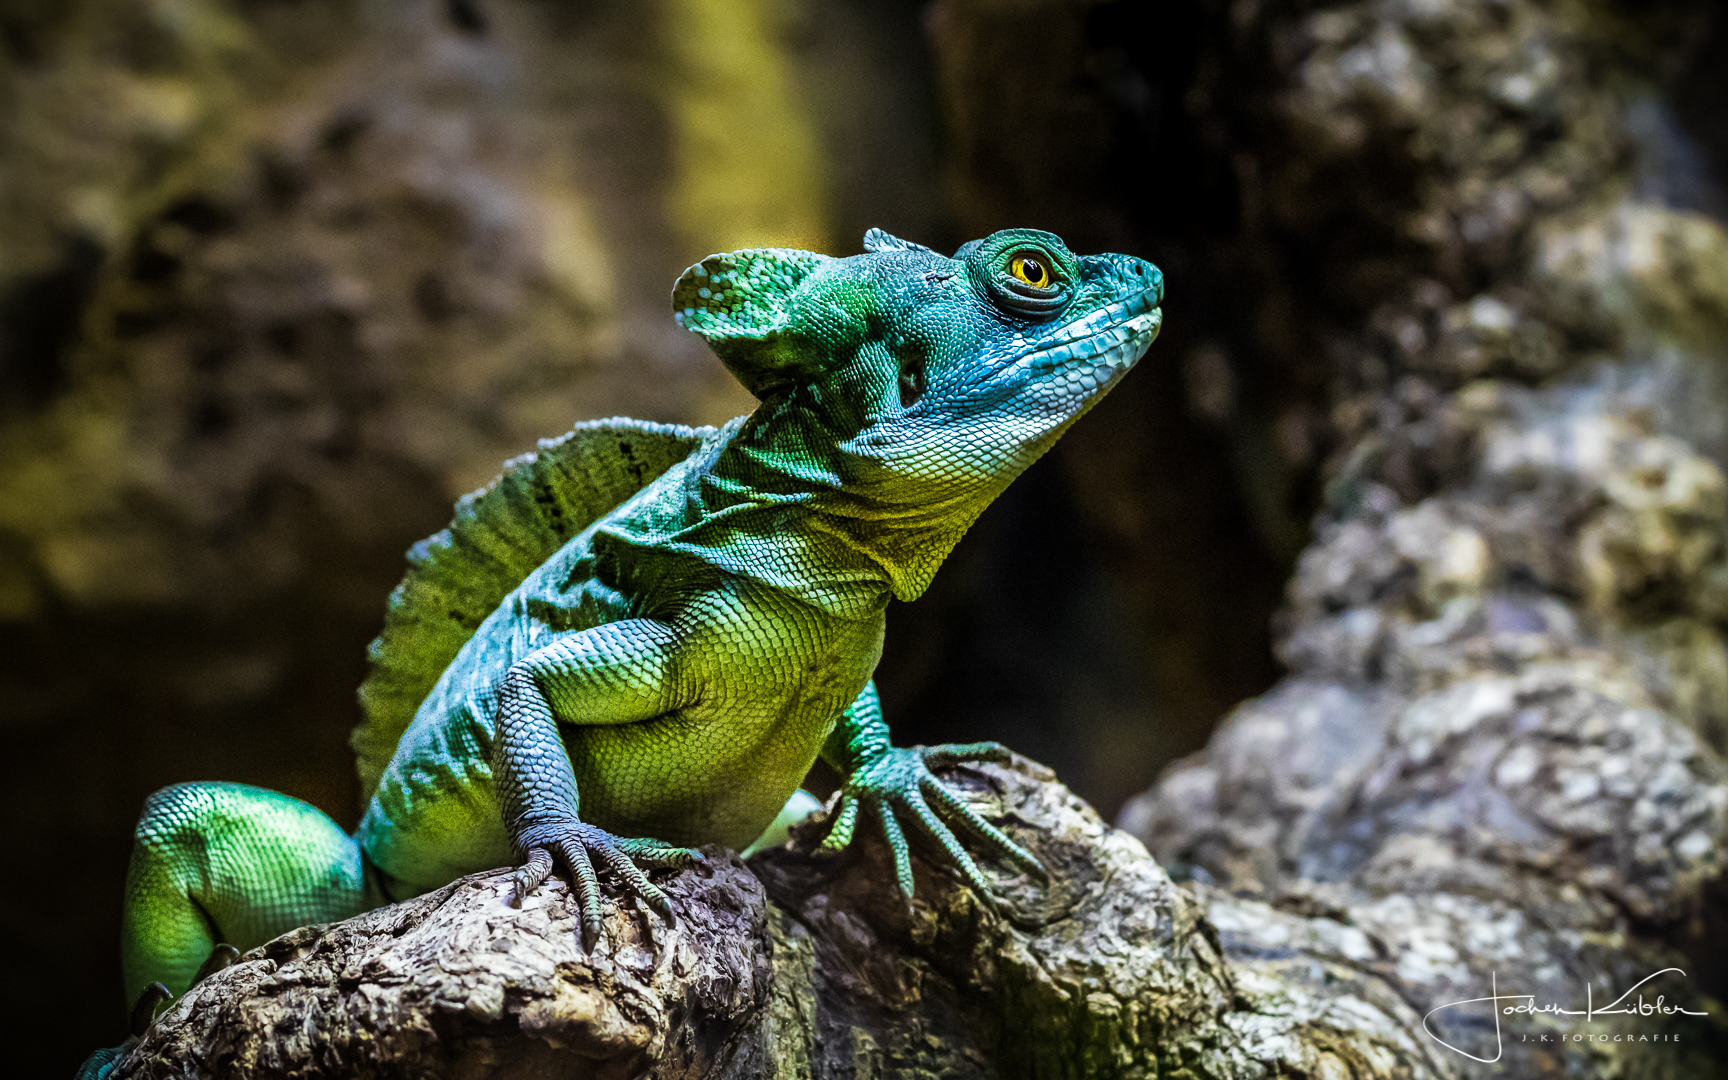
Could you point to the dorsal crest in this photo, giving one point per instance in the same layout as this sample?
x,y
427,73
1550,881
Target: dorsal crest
x,y
499,535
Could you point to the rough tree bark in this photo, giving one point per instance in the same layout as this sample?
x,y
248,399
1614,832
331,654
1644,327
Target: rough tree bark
x,y
798,967
795,967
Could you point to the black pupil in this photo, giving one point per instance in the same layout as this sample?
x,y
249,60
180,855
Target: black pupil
x,y
1033,270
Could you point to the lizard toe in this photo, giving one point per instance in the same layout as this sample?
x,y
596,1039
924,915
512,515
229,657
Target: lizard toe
x,y
221,957
99,1065
579,848
144,1009
530,875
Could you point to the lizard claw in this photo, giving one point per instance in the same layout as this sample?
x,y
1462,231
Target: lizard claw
x,y
576,845
144,1009
222,956
959,754
899,786
530,875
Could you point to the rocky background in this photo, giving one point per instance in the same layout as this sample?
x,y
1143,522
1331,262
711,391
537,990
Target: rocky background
x,y
1448,307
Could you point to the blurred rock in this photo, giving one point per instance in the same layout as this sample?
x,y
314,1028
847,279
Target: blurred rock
x,y
1498,751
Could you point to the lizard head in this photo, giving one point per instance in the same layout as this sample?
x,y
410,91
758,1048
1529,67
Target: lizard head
x,y
908,384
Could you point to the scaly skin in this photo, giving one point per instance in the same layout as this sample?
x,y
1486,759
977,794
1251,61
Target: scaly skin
x,y
668,677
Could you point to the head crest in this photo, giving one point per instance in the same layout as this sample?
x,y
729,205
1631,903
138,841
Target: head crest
x,y
878,240
740,303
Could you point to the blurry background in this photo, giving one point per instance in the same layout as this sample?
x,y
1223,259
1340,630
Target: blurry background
x,y
279,279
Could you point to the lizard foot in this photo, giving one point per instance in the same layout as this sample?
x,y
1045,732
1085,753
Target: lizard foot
x,y
898,785
100,1063
577,844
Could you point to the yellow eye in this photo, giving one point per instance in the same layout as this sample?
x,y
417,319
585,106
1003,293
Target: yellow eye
x,y
1031,269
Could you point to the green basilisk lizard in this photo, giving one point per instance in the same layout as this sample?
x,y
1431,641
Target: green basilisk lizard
x,y
638,639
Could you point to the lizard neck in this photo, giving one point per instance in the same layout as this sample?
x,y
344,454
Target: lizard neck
x,y
781,476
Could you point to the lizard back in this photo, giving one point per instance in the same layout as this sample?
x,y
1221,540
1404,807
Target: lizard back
x,y
499,535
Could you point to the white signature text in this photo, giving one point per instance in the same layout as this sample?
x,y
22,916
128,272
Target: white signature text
x,y
1525,1004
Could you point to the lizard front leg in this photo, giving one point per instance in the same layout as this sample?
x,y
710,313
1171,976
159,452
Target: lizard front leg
x,y
617,673
896,785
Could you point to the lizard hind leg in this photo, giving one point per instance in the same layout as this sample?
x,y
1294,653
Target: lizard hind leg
x,y
217,865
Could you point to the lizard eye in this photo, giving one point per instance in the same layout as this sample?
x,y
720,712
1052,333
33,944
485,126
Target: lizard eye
x,y
1030,284
1030,268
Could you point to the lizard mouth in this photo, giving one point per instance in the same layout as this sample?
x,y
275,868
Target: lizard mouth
x,y
1091,352
1114,335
